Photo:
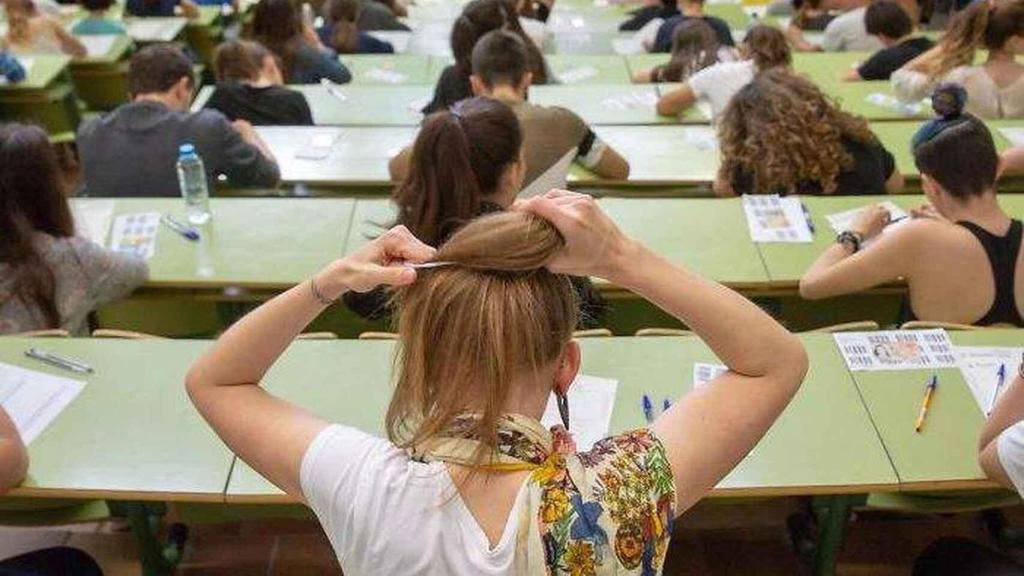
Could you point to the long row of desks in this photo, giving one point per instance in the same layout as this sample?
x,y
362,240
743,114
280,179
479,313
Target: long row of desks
x,y
270,244
133,435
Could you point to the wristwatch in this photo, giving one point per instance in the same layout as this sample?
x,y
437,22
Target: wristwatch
x,y
850,238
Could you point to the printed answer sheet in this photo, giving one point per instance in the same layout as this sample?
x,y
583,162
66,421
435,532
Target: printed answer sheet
x,y
33,399
591,400
896,350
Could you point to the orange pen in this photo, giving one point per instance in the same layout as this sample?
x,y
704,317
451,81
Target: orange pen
x,y
929,391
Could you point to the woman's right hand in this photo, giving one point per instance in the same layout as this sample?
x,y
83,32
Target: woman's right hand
x,y
594,244
375,264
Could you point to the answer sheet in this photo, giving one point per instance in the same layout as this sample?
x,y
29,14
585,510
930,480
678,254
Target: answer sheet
x,y
704,373
896,350
841,221
98,45
591,401
980,367
33,399
553,178
135,234
772,218
575,74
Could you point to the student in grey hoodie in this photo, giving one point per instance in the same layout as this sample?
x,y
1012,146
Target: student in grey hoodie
x,y
133,150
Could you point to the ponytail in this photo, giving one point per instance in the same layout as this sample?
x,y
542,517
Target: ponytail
x,y
458,160
988,24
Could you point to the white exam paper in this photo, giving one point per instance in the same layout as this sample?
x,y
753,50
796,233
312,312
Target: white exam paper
x,y
33,399
841,221
553,178
575,74
1014,135
135,234
591,400
92,219
704,373
980,368
772,218
98,45
896,350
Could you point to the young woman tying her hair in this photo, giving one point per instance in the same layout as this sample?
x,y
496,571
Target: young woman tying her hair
x,y
49,278
996,88
467,467
959,255
694,48
781,135
465,162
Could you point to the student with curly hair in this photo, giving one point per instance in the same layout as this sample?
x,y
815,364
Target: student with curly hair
x,y
782,135
995,89
764,48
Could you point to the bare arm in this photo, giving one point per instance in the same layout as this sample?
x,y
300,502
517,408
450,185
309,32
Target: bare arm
x,y
895,183
677,101
250,135
852,75
268,433
722,187
1008,411
1012,161
707,432
643,77
13,455
795,35
840,271
611,165
68,43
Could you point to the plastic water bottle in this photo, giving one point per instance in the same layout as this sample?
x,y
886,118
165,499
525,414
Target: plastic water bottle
x,y
192,182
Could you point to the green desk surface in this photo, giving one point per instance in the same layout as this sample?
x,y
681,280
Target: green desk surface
x,y
896,137
944,454
154,28
208,17
119,50
359,156
659,155
132,432
802,454
44,71
586,42
392,69
604,104
587,69
250,242
708,236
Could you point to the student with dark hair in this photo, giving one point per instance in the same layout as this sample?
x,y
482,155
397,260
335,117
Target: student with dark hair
x,y
49,278
694,48
277,24
341,30
189,8
249,87
848,31
97,22
764,48
995,88
781,134
374,15
132,150
465,162
478,18
889,22
640,17
691,9
959,255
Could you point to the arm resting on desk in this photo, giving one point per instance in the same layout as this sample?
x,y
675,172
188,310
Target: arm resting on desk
x,y
270,434
1008,411
677,101
13,456
708,431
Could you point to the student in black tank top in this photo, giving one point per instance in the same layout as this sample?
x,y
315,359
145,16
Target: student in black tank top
x,y
937,252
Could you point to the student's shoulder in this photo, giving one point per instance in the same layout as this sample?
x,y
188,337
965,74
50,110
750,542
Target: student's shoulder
x,y
555,116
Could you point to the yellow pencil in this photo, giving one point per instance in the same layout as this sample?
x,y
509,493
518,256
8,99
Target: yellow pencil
x,y
929,391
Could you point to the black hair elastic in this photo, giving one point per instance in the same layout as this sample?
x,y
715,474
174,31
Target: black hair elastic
x,y
948,101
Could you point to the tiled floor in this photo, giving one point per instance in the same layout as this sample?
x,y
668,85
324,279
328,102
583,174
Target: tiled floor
x,y
714,540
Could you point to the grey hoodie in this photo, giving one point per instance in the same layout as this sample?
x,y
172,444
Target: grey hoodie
x,y
132,151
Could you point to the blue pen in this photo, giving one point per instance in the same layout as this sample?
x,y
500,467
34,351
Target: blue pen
x,y
667,404
999,384
186,231
807,216
645,403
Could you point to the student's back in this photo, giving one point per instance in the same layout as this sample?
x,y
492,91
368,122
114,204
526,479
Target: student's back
x,y
278,25
249,88
49,278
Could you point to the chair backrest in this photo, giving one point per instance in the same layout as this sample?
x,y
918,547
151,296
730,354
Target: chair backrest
x,y
126,334
927,325
378,336
51,333
663,332
862,326
592,333
317,336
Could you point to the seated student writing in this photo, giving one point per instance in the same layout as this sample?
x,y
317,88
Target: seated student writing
x,y
484,341
478,18
694,48
341,30
30,32
782,135
690,9
461,167
96,22
187,8
810,16
59,561
49,277
277,24
132,150
995,89
764,48
960,257
889,21
500,70
249,87
848,32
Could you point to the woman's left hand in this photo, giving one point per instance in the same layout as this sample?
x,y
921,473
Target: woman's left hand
x,y
378,263
871,221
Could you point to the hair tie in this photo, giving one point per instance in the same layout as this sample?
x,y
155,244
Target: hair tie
x,y
948,101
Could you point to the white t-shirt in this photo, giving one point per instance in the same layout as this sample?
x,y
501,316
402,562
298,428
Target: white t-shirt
x,y
717,84
1010,446
387,514
848,33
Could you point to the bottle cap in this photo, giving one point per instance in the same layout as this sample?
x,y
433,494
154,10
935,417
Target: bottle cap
x,y
186,150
